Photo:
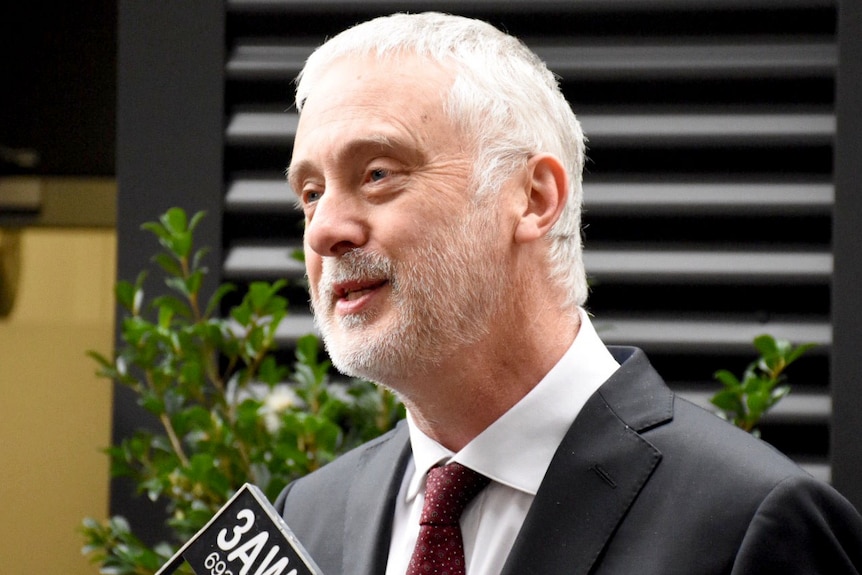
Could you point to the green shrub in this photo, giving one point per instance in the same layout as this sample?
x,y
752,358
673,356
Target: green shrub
x,y
229,413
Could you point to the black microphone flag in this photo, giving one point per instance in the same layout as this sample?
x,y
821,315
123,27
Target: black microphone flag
x,y
245,537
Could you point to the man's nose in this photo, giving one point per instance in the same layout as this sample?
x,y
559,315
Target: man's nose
x,y
336,225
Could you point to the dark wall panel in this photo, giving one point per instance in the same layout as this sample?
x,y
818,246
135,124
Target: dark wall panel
x,y
847,280
169,153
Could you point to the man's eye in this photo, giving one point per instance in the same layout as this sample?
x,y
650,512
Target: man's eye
x,y
310,197
378,174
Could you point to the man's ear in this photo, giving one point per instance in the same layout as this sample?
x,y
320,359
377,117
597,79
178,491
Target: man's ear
x,y
546,189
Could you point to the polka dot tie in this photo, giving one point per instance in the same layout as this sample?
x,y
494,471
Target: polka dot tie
x,y
440,549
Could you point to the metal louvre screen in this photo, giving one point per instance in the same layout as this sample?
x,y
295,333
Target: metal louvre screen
x,y
708,192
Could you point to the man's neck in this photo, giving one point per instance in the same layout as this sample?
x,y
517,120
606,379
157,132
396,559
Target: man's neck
x,y
456,403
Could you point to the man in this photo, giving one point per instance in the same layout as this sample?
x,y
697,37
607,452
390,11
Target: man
x,y
439,168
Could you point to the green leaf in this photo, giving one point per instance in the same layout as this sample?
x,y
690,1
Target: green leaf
x,y
152,403
174,304
798,351
766,345
756,385
259,294
242,314
196,219
192,373
194,418
169,264
198,258
217,296
125,293
247,413
728,379
255,341
158,230
175,220
758,402
728,401
178,285
103,361
194,281
181,244
166,314
307,348
270,372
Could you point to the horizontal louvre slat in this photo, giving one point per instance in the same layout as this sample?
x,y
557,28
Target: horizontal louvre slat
x,y
260,195
797,407
274,195
268,128
245,262
532,6
681,336
708,198
293,327
709,129
606,265
257,61
261,128
710,336
690,60
703,266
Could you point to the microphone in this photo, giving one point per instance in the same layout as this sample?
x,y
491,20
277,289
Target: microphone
x,y
245,537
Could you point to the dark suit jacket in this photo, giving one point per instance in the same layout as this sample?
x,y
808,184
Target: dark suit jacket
x,y
643,483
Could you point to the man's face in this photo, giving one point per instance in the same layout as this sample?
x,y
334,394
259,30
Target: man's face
x,y
404,269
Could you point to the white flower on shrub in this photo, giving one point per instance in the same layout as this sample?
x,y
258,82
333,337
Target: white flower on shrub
x,y
341,392
279,399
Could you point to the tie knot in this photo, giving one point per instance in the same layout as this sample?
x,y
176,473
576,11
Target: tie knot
x,y
448,491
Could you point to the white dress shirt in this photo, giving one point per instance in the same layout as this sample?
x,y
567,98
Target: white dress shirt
x,y
514,452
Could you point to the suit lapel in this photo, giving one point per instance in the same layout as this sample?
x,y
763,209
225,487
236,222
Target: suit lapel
x,y
596,474
370,505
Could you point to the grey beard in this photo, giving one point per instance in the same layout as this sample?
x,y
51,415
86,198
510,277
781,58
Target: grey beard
x,y
443,297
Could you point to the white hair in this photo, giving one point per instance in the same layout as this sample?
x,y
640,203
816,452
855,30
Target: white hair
x,y
502,94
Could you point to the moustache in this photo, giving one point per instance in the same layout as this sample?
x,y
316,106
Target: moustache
x,y
355,265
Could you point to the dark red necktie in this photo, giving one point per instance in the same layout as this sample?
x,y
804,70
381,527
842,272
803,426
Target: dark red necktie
x,y
440,549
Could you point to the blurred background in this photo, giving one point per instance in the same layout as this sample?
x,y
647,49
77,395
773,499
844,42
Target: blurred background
x,y
722,200
58,109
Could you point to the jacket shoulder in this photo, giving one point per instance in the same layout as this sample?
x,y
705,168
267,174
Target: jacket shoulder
x,y
342,513
331,480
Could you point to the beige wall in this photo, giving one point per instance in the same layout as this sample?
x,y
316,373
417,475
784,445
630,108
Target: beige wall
x,y
54,412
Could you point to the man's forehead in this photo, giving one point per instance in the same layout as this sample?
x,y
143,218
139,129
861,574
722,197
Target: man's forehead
x,y
390,68
371,89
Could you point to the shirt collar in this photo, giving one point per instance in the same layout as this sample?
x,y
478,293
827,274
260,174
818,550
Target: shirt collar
x,y
517,449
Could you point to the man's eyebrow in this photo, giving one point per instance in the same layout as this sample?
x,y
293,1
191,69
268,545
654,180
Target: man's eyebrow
x,y
294,172
374,144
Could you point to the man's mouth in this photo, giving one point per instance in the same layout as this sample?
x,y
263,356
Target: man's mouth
x,y
352,284
350,296
354,290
